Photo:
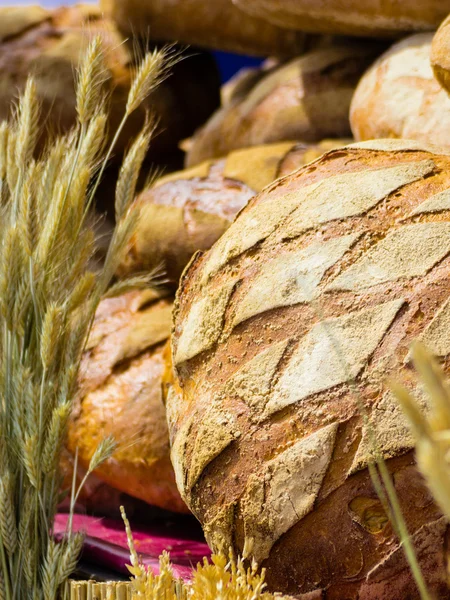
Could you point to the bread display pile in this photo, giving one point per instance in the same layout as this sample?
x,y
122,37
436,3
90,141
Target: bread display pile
x,y
297,240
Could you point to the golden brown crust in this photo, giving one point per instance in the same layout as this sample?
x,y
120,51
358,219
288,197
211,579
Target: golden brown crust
x,y
120,395
368,18
218,25
49,45
282,331
306,99
440,54
302,154
398,97
189,210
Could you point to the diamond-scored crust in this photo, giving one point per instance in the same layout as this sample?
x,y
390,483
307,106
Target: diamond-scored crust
x,y
291,370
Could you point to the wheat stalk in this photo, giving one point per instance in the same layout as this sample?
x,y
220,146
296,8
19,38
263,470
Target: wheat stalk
x,y
224,578
431,429
48,298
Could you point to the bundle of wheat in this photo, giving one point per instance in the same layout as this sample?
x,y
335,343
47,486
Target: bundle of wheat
x,y
48,298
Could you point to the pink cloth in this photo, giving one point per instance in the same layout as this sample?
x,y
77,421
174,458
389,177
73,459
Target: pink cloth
x,y
106,544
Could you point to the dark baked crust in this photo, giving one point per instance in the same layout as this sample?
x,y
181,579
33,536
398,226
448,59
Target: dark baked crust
x,y
218,25
368,18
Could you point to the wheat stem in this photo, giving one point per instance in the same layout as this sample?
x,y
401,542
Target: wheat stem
x,y
5,570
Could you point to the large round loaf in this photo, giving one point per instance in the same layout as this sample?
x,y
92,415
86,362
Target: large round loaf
x,y
399,97
367,18
218,25
284,333
189,210
306,99
49,44
120,395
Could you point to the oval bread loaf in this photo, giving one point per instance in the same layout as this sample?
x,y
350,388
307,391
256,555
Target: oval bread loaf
x,y
440,54
389,18
306,99
120,395
282,332
218,25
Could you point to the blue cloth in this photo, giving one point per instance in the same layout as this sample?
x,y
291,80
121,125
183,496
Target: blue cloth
x,y
229,63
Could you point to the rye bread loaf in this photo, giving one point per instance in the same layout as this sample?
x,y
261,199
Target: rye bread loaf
x,y
389,18
189,210
218,25
49,44
306,99
120,395
288,325
399,97
440,54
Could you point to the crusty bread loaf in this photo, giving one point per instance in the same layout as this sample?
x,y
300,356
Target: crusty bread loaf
x,y
398,96
189,210
49,44
240,84
306,99
120,395
367,18
218,25
282,332
440,54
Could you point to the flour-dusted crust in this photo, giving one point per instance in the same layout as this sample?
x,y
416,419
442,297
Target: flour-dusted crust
x,y
305,99
368,18
297,350
399,97
120,395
